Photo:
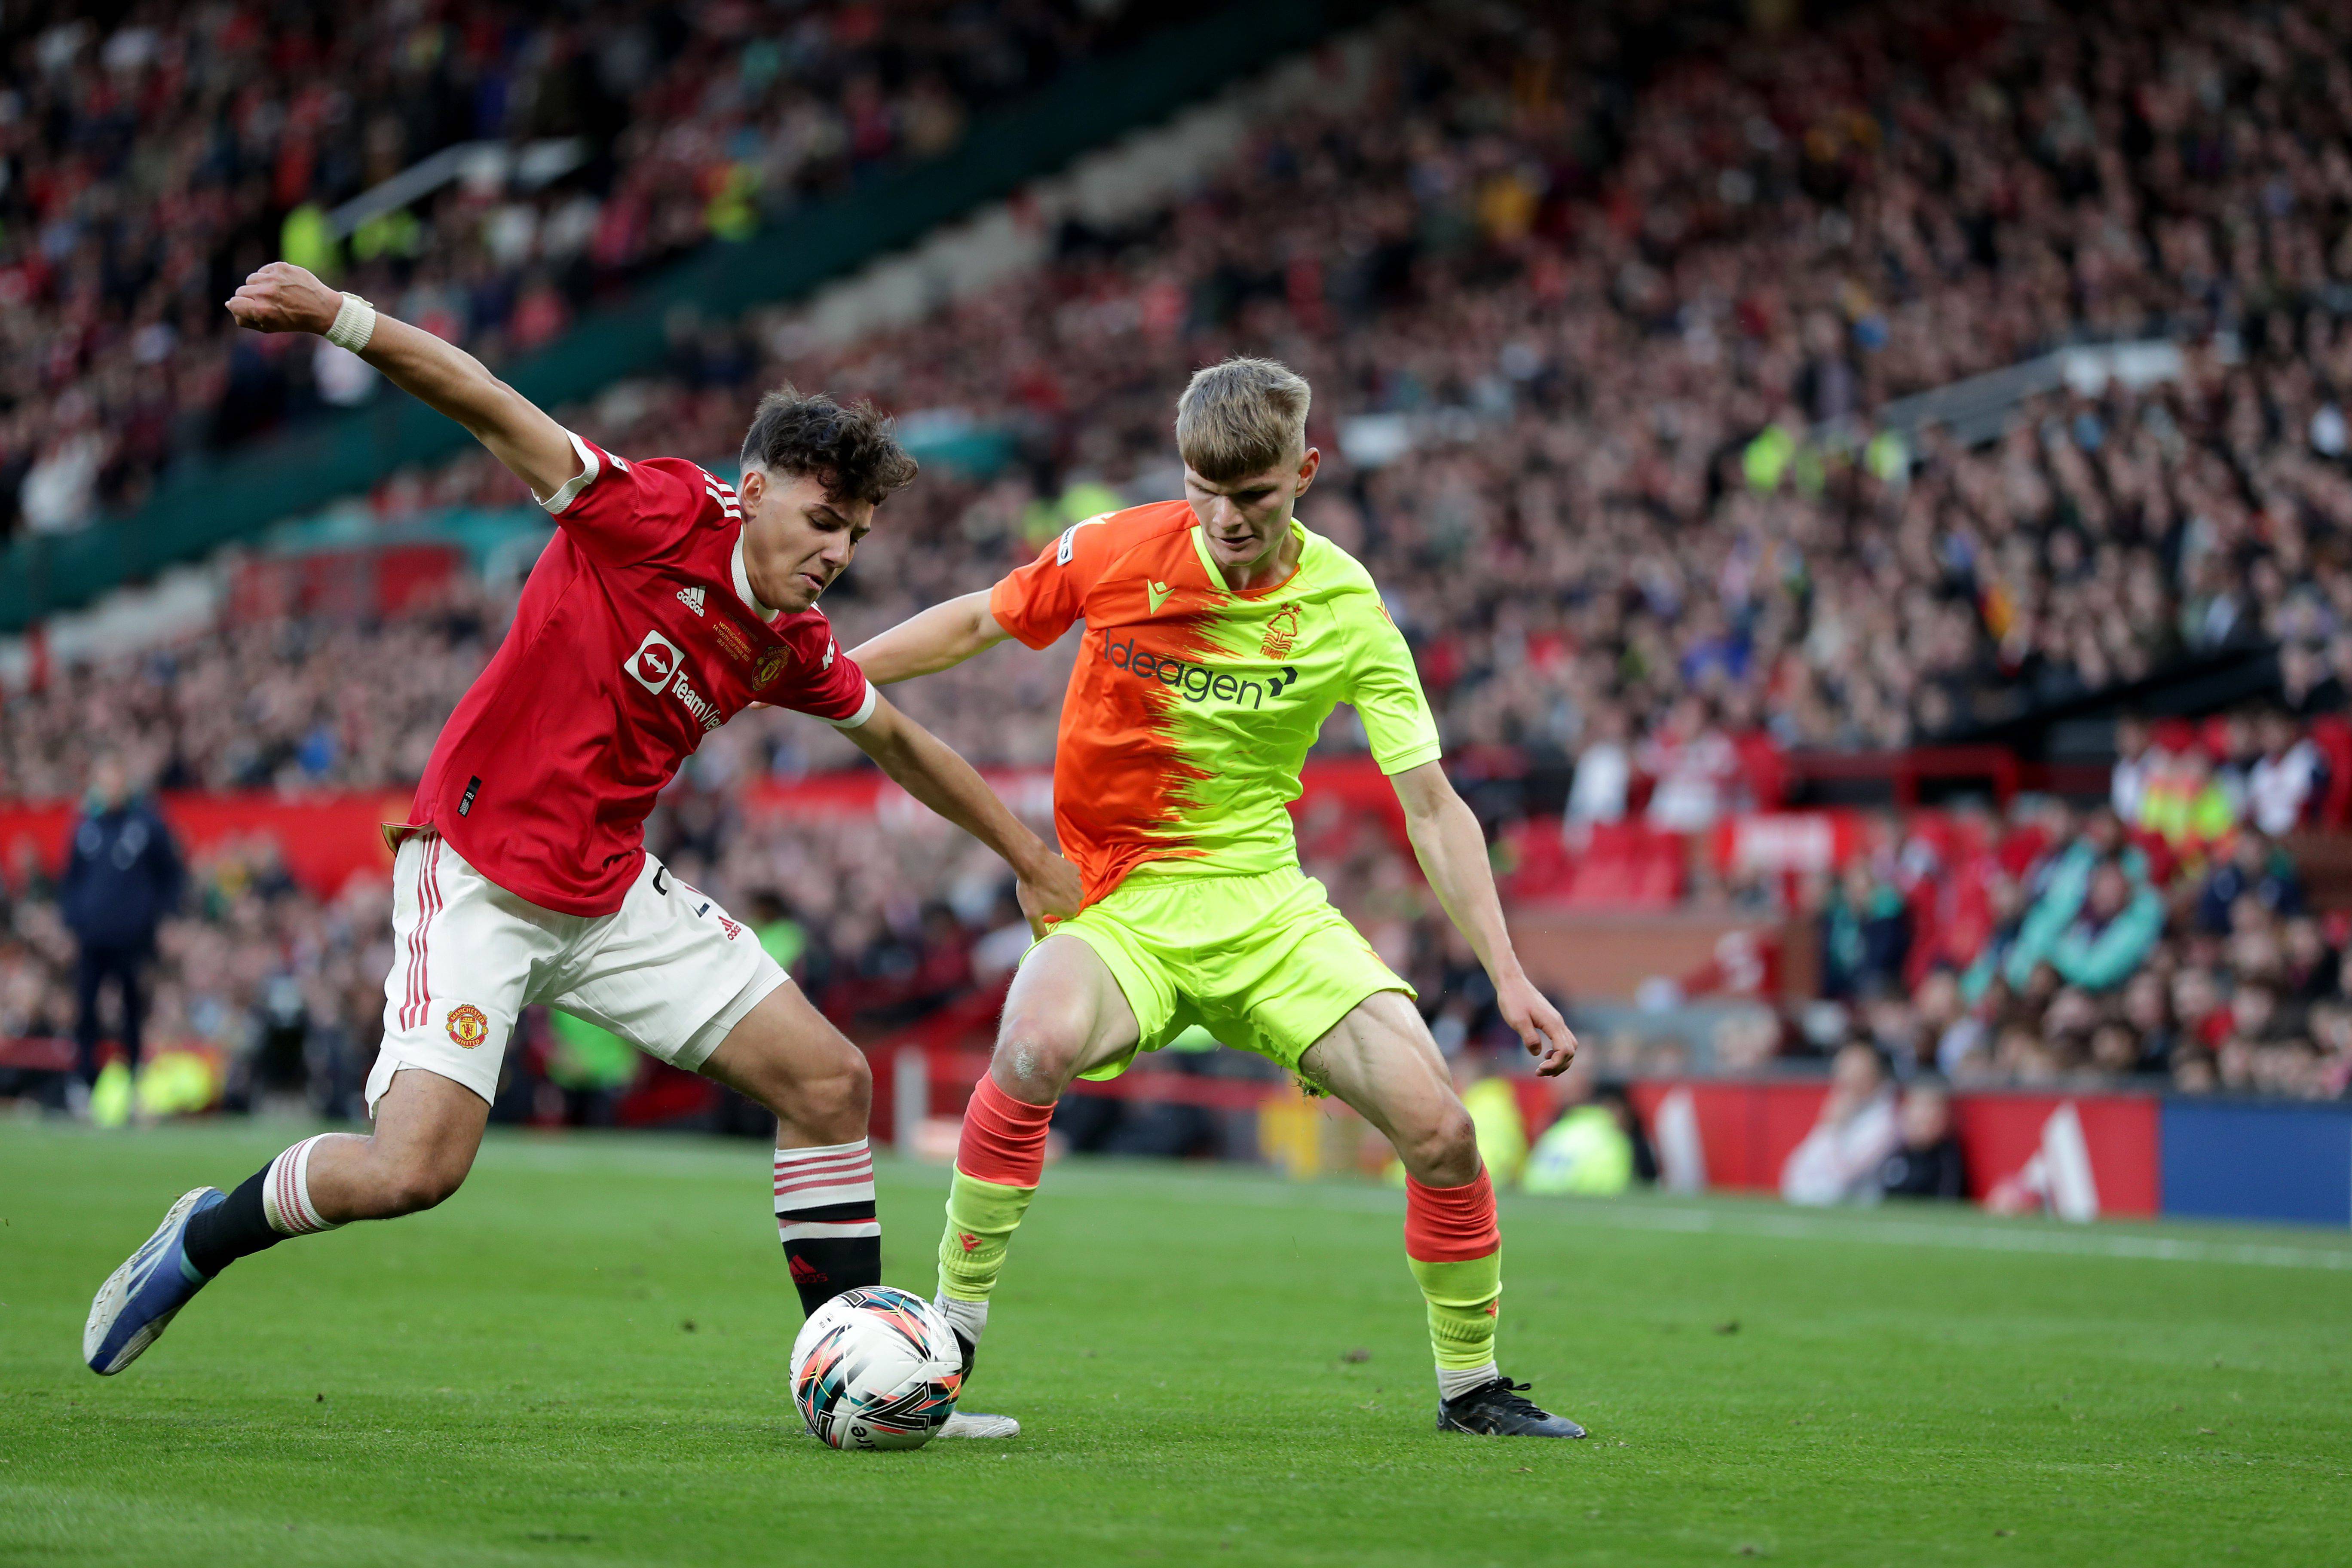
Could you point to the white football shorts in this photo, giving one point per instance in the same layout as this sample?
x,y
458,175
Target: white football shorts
x,y
671,972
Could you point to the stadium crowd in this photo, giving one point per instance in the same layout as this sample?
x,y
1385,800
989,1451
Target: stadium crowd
x,y
282,988
2160,938
1614,334
147,166
1597,340
1584,356
2135,940
880,920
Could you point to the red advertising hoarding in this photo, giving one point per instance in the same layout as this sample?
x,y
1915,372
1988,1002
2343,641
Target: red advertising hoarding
x,y
2079,1154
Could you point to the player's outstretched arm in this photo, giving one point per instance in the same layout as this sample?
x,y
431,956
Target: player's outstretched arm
x,y
1452,853
283,298
947,634
927,768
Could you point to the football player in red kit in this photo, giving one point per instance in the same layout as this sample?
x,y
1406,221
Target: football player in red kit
x,y
667,602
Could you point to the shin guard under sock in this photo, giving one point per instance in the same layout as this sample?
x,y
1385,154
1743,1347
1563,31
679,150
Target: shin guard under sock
x,y
1455,1251
825,1219
998,1161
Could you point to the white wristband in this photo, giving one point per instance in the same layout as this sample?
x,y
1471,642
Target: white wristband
x,y
354,324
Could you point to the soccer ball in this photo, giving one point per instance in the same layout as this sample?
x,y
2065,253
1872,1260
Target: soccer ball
x,y
876,1368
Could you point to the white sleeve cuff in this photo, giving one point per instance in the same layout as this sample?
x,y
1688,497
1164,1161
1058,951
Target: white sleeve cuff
x,y
589,468
864,709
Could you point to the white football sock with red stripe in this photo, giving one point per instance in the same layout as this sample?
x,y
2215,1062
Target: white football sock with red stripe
x,y
286,1192
825,1219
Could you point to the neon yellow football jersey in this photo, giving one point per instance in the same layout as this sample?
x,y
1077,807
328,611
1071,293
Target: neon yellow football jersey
x,y
1193,707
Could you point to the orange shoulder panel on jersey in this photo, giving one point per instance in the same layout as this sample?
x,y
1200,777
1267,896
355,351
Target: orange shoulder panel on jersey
x,y
1042,600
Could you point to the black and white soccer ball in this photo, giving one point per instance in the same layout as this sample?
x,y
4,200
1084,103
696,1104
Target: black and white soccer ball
x,y
876,1368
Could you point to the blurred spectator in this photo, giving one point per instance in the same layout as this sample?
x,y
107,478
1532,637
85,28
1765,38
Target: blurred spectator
x,y
1604,773
2136,758
2283,783
1839,1160
2119,923
1595,1148
1694,765
1950,1030
2063,884
1866,935
2256,869
123,877
1494,1108
1927,1163
2306,684
2189,804
2148,1019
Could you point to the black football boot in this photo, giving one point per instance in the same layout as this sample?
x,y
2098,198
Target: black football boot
x,y
1497,1409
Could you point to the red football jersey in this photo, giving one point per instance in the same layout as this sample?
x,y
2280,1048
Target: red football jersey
x,y
636,634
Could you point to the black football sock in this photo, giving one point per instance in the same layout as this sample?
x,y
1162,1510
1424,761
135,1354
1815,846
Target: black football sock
x,y
219,1236
824,1268
825,1217
267,1206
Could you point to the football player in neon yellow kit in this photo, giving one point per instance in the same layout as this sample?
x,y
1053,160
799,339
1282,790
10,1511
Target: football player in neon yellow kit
x,y
1219,636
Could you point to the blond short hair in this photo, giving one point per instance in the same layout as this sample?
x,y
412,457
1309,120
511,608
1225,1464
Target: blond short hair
x,y
1242,418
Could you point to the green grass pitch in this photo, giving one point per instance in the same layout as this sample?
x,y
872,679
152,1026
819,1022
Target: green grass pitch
x,y
580,1360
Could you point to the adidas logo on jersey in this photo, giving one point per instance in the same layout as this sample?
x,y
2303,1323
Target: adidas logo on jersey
x,y
691,598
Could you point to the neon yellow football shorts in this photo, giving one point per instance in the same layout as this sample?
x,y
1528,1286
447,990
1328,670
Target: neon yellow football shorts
x,y
1263,963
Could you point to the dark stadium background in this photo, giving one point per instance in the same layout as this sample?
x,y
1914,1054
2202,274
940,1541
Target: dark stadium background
x,y
1867,486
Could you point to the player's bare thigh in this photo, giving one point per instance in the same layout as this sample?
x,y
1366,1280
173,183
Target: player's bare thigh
x,y
785,1055
1064,1016
1380,1060
427,1129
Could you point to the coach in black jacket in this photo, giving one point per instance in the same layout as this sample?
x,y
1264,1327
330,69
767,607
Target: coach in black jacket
x,y
122,877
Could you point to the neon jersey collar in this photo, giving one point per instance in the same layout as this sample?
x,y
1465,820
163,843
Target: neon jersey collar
x,y
1217,577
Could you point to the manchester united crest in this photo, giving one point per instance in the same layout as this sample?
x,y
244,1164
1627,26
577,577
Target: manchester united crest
x,y
469,1027
770,665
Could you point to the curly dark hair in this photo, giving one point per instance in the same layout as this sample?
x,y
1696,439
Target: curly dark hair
x,y
853,452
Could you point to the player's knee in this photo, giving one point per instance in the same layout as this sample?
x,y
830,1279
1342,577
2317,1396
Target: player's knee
x,y
1444,1150
1037,1052
414,1185
839,1101
828,1100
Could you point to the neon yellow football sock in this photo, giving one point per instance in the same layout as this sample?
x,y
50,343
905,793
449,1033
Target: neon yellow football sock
x,y
1464,1300
981,1217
